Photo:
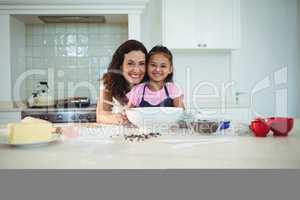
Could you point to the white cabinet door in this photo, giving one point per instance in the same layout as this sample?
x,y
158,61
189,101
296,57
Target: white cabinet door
x,y
216,23
197,24
179,24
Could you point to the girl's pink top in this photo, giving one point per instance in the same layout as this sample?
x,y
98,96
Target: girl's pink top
x,y
152,97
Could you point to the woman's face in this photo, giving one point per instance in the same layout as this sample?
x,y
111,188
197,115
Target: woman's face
x,y
134,67
159,67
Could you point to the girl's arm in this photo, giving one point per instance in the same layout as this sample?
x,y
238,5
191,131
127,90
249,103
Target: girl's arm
x,y
177,95
104,111
178,102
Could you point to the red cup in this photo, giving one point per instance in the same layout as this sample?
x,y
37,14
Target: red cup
x,y
259,128
281,126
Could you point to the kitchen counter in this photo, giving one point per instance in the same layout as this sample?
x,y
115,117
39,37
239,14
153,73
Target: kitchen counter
x,y
173,151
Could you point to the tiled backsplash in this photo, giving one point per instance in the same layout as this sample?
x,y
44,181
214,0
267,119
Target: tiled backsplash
x,y
75,54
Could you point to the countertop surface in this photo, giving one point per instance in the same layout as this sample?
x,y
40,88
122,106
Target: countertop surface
x,y
178,149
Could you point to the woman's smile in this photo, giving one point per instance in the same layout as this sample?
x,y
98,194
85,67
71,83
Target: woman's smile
x,y
134,75
134,67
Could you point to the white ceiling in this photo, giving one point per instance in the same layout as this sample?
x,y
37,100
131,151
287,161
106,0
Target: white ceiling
x,y
70,2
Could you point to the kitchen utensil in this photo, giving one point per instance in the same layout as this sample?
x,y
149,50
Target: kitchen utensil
x,y
114,104
259,127
40,96
281,126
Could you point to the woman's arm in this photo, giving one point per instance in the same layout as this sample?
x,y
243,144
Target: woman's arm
x,y
104,111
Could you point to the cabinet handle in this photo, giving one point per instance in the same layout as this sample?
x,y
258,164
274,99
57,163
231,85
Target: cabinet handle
x,y
201,45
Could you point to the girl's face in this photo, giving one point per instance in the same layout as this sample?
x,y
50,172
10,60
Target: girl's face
x,y
159,67
133,67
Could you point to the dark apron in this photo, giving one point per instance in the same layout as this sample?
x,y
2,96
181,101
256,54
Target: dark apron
x,y
168,102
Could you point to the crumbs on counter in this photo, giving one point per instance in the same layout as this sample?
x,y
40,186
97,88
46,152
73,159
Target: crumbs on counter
x,y
141,137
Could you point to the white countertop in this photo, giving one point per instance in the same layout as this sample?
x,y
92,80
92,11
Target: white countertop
x,y
176,151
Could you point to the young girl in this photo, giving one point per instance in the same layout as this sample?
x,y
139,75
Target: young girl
x,y
159,89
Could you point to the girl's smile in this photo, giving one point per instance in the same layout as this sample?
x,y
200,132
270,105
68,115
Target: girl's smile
x,y
159,68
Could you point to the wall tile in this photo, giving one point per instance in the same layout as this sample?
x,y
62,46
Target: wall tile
x,y
37,40
37,29
60,28
69,51
93,28
37,51
70,39
50,29
71,28
60,39
82,39
82,51
29,41
76,52
49,40
28,52
82,28
37,63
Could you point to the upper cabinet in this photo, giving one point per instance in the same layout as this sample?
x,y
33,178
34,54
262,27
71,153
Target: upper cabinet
x,y
201,24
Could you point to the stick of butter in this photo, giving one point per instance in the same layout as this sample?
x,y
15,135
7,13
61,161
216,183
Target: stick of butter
x,y
34,120
27,133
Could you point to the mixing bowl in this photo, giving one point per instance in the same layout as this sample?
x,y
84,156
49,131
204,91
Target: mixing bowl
x,y
281,126
154,118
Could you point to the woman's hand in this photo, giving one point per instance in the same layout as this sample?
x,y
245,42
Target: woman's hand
x,y
121,118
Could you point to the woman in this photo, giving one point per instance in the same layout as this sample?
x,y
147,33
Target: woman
x,y
127,69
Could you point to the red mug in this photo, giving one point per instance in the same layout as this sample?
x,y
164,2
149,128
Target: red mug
x,y
259,128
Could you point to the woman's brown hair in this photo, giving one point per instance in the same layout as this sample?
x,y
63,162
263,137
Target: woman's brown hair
x,y
113,79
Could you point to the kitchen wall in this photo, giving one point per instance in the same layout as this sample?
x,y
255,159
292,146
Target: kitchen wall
x,y
202,76
71,56
266,65
5,75
298,62
18,56
268,59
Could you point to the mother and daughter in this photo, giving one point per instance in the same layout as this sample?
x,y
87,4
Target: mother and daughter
x,y
136,78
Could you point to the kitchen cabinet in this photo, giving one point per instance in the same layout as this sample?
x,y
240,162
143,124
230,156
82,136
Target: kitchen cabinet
x,y
201,24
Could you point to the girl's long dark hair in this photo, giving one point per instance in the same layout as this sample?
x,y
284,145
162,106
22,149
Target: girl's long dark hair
x,y
158,49
113,79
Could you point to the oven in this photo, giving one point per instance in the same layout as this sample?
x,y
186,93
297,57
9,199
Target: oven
x,y
62,115
67,111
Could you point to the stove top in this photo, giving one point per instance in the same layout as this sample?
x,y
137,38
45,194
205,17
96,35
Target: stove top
x,y
62,115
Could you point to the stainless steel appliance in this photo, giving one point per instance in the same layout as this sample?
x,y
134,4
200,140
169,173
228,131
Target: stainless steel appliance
x,y
76,109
